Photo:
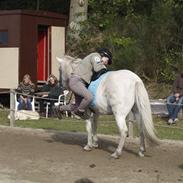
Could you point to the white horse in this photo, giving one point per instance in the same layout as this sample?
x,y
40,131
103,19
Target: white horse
x,y
118,93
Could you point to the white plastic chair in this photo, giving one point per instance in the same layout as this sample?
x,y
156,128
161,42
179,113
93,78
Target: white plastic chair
x,y
62,100
17,103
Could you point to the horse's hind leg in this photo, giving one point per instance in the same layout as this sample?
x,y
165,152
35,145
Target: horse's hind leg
x,y
142,144
120,120
142,137
142,141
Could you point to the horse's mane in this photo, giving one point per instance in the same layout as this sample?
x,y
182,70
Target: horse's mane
x,y
70,63
71,59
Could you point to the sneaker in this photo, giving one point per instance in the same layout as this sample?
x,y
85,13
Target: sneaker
x,y
175,121
170,121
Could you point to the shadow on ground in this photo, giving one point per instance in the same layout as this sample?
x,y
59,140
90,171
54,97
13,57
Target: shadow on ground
x,y
80,139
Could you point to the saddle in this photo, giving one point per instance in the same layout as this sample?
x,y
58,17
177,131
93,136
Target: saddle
x,y
94,86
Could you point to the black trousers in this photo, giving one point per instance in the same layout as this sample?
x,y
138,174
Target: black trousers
x,y
42,103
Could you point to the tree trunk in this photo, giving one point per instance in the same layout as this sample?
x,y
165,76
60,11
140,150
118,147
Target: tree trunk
x,y
78,14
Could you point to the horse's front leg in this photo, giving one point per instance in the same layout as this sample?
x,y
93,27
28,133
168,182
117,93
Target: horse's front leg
x,y
94,130
91,127
88,147
121,123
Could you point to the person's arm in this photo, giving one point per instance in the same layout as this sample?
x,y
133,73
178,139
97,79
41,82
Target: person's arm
x,y
55,92
97,64
96,75
32,89
45,88
19,88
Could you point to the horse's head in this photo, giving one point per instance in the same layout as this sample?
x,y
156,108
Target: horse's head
x,y
67,65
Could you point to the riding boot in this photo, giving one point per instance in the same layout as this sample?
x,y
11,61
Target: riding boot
x,y
81,114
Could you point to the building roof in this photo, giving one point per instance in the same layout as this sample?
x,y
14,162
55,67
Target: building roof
x,y
33,13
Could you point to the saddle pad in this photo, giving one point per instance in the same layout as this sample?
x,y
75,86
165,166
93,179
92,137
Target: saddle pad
x,y
94,86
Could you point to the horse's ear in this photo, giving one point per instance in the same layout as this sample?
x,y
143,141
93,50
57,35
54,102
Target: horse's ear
x,y
60,60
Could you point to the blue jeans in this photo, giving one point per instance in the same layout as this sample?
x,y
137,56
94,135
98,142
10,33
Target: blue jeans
x,y
174,106
23,105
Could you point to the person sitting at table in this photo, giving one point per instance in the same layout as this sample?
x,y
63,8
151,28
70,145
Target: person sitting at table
x,y
25,88
52,91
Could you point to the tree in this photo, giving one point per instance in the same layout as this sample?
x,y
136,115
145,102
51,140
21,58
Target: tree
x,y
78,14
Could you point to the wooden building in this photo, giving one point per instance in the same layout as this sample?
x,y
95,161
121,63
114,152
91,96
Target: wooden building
x,y
29,44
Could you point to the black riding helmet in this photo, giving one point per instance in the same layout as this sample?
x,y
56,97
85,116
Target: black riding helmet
x,y
105,52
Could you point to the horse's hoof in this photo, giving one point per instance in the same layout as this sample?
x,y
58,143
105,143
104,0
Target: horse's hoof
x,y
95,145
115,155
141,154
87,148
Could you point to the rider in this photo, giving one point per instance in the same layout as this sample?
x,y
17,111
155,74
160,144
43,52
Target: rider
x,y
92,65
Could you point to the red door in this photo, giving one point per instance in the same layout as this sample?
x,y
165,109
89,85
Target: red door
x,y
43,61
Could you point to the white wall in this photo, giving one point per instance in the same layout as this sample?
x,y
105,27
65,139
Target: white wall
x,y
57,47
9,66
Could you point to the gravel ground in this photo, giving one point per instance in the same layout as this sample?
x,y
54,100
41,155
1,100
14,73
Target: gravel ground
x,y
40,156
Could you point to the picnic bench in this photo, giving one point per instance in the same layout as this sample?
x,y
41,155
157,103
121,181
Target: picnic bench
x,y
159,108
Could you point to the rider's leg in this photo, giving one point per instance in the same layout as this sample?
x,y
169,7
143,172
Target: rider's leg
x,y
79,88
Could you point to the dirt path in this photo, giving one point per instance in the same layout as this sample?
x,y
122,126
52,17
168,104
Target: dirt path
x,y
38,156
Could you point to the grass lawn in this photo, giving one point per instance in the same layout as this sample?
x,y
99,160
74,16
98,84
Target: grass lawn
x,y
106,125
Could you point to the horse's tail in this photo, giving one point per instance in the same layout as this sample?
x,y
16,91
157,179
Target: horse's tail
x,y
143,104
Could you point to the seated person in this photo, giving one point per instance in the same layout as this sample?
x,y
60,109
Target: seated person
x,y
175,101
26,88
53,90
